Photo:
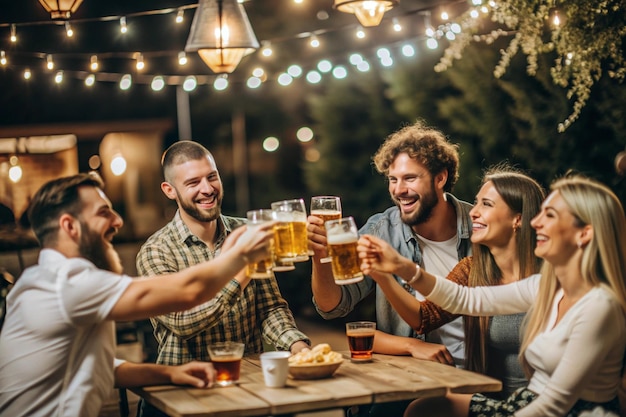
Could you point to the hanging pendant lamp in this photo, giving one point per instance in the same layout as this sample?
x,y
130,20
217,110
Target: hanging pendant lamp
x,y
60,9
368,12
221,34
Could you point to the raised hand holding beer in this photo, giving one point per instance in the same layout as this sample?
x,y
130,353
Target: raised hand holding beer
x,y
263,267
326,208
290,234
342,236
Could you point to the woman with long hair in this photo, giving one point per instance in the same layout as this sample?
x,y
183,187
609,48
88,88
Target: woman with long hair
x,y
502,244
575,332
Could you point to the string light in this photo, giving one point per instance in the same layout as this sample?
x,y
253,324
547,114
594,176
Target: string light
x,y
294,70
140,65
340,72
27,74
123,27
267,51
221,83
157,83
429,30
126,82
58,78
253,82
118,165
313,77
396,25
448,30
190,83
180,16
285,79
13,34
68,30
90,80
556,21
15,172
444,15
3,58
94,63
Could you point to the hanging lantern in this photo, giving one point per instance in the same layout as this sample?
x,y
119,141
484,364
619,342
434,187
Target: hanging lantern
x,y
221,34
368,12
60,9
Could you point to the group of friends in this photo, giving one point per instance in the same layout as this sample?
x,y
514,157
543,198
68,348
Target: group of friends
x,y
524,287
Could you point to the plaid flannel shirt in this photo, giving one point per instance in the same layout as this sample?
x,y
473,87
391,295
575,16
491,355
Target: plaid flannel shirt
x,y
258,312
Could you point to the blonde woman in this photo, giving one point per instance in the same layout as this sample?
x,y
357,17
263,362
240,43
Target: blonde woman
x,y
575,335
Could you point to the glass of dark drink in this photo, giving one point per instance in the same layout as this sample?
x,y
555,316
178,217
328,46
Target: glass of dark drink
x,y
226,359
361,340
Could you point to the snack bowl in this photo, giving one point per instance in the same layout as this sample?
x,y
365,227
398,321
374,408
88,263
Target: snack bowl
x,y
314,370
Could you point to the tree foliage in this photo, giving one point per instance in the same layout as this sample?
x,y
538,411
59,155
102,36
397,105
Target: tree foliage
x,y
585,39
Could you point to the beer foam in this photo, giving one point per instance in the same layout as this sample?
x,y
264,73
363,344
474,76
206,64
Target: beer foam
x,y
290,216
341,238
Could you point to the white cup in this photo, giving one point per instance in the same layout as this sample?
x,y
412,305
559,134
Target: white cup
x,y
275,367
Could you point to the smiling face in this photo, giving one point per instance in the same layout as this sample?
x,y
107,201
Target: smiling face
x,y
98,224
413,189
557,230
197,188
493,221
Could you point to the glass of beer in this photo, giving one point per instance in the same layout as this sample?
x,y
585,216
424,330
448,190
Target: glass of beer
x,y
326,207
361,340
290,235
262,268
226,359
342,236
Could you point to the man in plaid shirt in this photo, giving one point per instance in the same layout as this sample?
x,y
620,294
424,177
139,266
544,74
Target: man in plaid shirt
x,y
246,310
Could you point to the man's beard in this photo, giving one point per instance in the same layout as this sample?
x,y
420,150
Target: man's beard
x,y
202,216
94,248
427,203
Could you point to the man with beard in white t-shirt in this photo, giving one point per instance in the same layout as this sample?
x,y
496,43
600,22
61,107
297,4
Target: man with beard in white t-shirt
x,y
58,340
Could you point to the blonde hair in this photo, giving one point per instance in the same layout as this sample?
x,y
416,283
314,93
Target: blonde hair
x,y
604,257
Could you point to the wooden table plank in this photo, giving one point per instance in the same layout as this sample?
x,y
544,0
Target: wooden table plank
x,y
457,380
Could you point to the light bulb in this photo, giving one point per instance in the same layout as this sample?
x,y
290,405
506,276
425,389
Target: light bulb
x,y
180,16
94,63
118,165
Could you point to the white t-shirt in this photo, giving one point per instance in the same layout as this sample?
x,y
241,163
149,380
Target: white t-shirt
x,y
56,346
579,358
439,258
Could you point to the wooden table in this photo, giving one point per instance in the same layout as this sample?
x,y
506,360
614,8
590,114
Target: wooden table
x,y
386,378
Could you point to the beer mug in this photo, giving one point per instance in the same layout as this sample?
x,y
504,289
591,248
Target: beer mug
x,y
290,235
342,236
326,208
262,268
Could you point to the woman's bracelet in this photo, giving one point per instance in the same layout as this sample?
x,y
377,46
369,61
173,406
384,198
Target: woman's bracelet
x,y
418,274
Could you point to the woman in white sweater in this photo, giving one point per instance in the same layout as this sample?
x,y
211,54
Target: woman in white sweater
x,y
575,332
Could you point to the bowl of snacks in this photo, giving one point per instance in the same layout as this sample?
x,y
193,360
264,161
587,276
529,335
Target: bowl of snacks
x,y
316,363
